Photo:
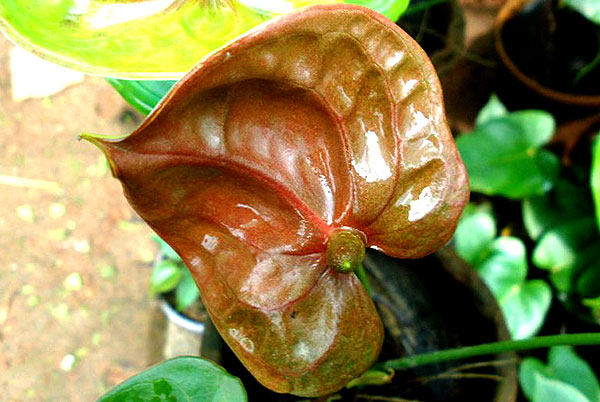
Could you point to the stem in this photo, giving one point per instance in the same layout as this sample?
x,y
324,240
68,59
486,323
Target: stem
x,y
491,348
362,277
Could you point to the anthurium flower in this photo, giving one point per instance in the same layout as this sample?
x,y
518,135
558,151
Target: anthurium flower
x,y
275,162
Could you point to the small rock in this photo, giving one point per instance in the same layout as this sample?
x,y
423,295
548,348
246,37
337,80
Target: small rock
x,y
68,362
73,282
56,210
25,212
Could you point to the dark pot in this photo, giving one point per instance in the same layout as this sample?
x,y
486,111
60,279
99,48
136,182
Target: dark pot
x,y
439,29
542,47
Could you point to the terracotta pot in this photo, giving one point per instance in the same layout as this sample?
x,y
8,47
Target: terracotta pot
x,y
507,12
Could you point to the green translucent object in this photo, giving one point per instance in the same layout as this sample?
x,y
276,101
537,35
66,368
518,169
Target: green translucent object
x,y
152,39
143,95
392,9
143,39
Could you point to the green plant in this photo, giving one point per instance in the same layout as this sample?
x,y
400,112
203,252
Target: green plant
x,y
169,274
502,263
566,377
503,146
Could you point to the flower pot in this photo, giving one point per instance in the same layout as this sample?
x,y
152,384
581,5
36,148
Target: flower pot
x,y
541,48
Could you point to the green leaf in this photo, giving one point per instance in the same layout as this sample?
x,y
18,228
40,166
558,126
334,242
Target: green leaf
x,y
143,95
566,377
165,276
528,370
569,368
492,109
476,230
143,39
595,178
588,283
499,151
547,390
564,203
525,308
505,267
523,303
167,250
588,8
186,292
560,250
392,9
183,379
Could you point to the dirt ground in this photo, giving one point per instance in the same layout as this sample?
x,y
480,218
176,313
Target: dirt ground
x,y
75,314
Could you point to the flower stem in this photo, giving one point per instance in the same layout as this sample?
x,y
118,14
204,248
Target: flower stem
x,y
490,348
362,277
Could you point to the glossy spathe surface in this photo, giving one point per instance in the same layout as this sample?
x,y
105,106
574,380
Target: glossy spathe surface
x,y
327,118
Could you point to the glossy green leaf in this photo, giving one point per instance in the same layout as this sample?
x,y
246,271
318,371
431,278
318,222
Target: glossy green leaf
x,y
569,368
133,39
528,370
166,275
392,9
492,110
566,377
566,202
548,390
476,230
148,39
505,266
186,292
595,177
499,152
565,247
183,379
588,8
524,303
525,308
143,95
167,250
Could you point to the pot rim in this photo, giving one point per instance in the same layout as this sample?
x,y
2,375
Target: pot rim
x,y
196,327
510,8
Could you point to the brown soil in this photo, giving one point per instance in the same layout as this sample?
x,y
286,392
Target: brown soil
x,y
59,342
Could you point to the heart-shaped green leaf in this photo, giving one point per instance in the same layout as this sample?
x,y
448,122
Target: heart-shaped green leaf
x,y
504,146
564,248
566,377
165,276
275,162
475,232
184,379
502,264
566,202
